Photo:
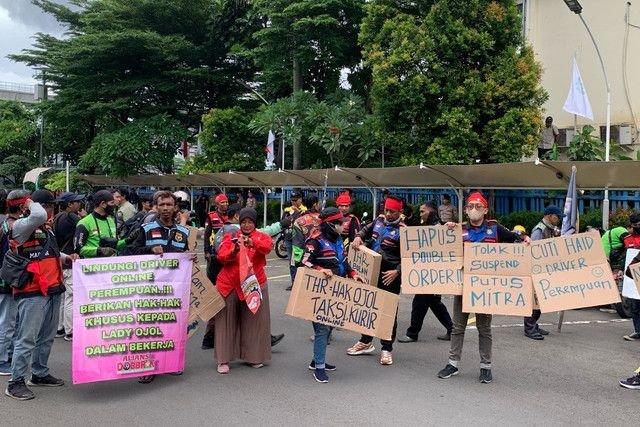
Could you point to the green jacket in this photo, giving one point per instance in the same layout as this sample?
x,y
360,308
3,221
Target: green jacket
x,y
94,231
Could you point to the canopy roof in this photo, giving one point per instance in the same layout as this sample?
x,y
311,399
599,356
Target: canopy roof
x,y
620,175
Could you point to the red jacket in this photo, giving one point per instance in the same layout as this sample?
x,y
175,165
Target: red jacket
x,y
229,277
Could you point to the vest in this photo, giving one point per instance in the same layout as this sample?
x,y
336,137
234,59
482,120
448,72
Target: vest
x,y
486,233
330,253
47,272
172,239
383,233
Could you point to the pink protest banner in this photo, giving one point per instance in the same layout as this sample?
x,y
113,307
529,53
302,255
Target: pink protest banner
x,y
130,316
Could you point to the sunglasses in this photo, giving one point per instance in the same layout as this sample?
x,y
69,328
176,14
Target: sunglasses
x,y
475,206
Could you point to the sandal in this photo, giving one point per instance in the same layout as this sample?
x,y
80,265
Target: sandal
x,y
146,379
256,365
223,368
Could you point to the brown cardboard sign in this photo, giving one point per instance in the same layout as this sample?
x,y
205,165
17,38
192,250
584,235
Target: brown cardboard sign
x,y
572,272
635,274
497,279
206,301
343,303
193,324
366,262
431,260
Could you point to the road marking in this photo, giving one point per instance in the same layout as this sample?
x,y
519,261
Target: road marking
x,y
279,277
471,320
575,322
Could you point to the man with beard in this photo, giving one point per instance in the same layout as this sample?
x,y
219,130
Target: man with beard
x,y
385,232
478,229
422,302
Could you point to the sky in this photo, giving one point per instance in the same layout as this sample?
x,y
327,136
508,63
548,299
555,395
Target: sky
x,y
19,22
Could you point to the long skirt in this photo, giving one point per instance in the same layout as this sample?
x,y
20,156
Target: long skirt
x,y
240,334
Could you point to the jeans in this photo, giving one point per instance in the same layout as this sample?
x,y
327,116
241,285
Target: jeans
x,y
321,338
34,336
394,287
531,323
419,308
8,312
66,304
485,341
635,314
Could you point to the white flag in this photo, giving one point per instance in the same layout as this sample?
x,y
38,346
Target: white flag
x,y
577,101
269,148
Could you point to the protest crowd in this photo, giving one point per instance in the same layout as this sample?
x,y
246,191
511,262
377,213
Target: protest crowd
x,y
42,237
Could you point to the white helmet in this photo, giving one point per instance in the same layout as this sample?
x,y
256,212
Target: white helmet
x,y
182,195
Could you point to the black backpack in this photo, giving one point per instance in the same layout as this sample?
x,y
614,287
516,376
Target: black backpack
x,y
132,224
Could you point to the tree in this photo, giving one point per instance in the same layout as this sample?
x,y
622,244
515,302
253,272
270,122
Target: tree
x,y
126,60
228,143
334,132
18,140
143,146
305,45
452,80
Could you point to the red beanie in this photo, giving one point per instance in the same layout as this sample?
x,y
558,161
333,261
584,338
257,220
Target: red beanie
x,y
343,199
221,198
393,204
476,197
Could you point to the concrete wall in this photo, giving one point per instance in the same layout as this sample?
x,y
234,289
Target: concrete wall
x,y
557,34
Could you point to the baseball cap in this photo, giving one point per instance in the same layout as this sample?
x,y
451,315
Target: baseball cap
x,y
102,196
69,197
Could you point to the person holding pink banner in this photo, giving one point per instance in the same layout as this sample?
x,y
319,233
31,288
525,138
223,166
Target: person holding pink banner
x,y
478,229
243,331
159,237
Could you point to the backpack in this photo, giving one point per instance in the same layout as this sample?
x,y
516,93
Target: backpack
x,y
132,224
214,267
4,242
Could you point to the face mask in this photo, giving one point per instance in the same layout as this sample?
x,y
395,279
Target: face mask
x,y
475,215
110,210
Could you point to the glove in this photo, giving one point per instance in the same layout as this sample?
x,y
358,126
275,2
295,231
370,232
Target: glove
x,y
108,242
285,222
106,252
133,235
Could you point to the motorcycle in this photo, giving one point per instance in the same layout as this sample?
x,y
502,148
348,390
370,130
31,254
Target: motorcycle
x,y
281,247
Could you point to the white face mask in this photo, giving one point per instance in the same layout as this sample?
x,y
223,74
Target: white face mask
x,y
475,215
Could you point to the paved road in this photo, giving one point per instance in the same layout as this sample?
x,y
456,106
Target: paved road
x,y
567,379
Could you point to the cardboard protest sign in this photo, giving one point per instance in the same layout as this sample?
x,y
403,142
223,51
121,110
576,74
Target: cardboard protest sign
x,y
635,274
572,272
629,288
130,316
206,301
343,303
431,260
366,262
497,279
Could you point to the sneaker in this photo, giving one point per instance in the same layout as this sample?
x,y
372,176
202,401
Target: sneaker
x,y
632,383
288,288
632,337
223,368
535,336
68,337
445,337
5,369
448,372
386,358
321,376
46,381
327,367
60,333
406,339
275,339
19,391
485,376
360,348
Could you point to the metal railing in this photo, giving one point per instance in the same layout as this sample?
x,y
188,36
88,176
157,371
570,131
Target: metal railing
x,y
17,87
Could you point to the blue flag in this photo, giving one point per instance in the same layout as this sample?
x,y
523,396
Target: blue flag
x,y
570,207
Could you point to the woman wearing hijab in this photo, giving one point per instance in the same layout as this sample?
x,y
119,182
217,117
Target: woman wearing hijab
x,y
242,331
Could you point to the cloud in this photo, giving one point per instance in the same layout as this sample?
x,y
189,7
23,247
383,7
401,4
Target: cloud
x,y
24,12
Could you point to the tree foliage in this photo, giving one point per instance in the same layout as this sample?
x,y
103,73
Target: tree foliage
x,y
125,60
228,143
452,81
18,141
145,145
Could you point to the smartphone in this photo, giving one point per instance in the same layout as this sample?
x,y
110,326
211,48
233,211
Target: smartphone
x,y
234,240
